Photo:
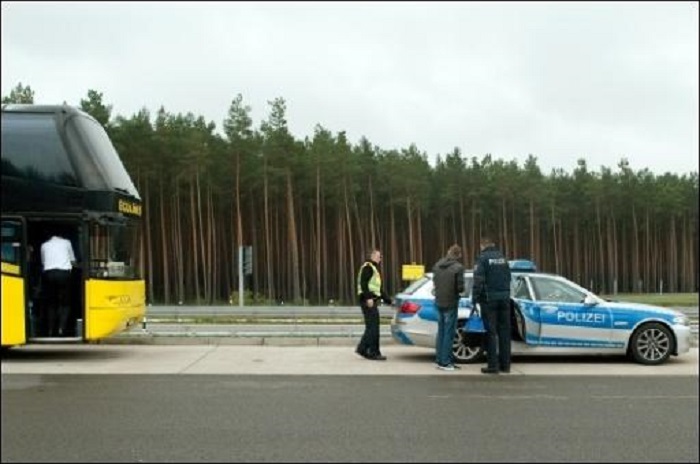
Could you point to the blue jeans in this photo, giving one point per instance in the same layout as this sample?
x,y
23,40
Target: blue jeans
x,y
447,325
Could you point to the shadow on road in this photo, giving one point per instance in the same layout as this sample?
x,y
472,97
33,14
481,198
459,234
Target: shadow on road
x,y
429,357
69,353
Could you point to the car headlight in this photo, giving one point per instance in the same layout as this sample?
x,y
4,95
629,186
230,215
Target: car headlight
x,y
681,320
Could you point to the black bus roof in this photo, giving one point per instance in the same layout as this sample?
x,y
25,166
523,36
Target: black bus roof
x,y
58,158
32,108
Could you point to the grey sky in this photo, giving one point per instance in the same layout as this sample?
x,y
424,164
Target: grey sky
x,y
561,81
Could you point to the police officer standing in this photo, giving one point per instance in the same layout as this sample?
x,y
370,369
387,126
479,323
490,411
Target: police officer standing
x,y
491,290
370,291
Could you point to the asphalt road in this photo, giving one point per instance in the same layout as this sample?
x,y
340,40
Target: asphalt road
x,y
434,418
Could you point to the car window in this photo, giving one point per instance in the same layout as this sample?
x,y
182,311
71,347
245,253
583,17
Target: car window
x,y
521,289
468,281
556,291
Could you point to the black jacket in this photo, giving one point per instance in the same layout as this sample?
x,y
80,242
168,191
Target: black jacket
x,y
491,276
448,279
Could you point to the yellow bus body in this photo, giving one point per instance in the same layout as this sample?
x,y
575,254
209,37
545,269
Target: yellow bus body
x,y
13,315
113,306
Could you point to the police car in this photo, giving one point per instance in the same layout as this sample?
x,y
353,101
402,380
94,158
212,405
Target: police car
x,y
549,315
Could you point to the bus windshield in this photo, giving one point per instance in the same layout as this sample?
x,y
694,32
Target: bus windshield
x,y
32,149
105,157
114,251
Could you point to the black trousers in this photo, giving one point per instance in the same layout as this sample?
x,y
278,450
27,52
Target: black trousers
x,y
496,315
57,287
369,343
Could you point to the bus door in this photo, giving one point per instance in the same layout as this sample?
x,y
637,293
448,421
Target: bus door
x,y
14,303
114,291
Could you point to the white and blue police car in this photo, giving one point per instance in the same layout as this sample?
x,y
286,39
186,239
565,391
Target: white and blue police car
x,y
549,315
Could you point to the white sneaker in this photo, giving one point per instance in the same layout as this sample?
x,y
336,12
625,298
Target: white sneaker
x,y
445,368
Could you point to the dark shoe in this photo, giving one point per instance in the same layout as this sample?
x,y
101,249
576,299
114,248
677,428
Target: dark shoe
x,y
361,353
505,370
377,357
489,370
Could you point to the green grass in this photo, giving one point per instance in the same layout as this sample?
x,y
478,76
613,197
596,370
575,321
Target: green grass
x,y
665,299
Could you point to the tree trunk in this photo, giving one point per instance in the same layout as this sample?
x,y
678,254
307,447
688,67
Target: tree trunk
x,y
601,263
373,238
348,220
177,230
319,233
533,247
268,237
195,241
164,247
293,241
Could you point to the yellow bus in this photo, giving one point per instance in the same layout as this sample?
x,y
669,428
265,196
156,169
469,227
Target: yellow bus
x,y
60,171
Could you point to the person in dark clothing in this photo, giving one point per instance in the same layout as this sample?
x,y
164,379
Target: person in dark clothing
x,y
370,291
491,290
448,281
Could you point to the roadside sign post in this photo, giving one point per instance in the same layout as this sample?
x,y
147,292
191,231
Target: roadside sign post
x,y
245,267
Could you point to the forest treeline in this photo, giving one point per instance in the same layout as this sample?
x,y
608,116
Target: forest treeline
x,y
311,208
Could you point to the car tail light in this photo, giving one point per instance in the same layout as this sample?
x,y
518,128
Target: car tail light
x,y
409,307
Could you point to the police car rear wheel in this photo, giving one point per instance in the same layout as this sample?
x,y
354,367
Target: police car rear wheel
x,y
467,347
651,344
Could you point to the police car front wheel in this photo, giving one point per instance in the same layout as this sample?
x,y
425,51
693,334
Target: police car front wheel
x,y
651,344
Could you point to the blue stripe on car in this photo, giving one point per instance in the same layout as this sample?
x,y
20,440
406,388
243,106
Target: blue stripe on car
x,y
556,341
401,337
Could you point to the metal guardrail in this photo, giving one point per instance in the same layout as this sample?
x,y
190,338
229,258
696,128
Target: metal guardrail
x,y
282,311
288,311
169,321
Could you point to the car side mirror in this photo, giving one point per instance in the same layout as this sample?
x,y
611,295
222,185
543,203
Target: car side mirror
x,y
590,301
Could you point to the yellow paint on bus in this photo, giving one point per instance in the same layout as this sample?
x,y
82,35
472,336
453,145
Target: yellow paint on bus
x,y
8,268
13,320
112,306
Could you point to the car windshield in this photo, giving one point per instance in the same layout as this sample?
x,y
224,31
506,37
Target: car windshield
x,y
547,289
424,288
415,285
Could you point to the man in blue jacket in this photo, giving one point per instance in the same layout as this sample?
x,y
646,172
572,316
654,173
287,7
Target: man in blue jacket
x,y
491,291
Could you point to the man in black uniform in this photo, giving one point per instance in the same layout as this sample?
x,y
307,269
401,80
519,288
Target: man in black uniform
x,y
491,291
370,290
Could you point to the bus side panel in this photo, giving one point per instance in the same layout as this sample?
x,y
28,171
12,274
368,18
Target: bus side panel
x,y
112,306
13,315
